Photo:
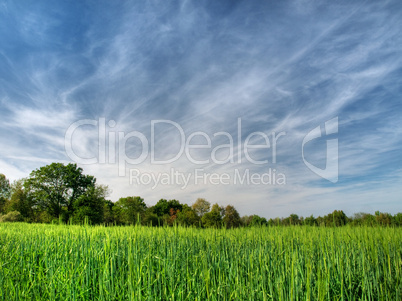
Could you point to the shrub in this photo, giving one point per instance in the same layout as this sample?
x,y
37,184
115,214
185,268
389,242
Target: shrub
x,y
12,216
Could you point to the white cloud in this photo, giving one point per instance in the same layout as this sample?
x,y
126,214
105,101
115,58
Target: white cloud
x,y
289,69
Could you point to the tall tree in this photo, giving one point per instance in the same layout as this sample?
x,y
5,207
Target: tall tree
x,y
294,219
231,218
161,207
214,217
4,192
55,187
201,206
311,221
337,218
167,210
258,221
384,219
4,186
20,201
108,212
91,205
129,209
150,218
188,217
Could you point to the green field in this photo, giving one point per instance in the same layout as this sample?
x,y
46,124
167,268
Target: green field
x,y
59,262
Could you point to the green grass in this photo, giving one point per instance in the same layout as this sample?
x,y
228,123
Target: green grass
x,y
56,262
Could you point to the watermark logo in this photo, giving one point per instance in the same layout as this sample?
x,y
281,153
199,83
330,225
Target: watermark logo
x,y
100,142
330,172
112,145
201,176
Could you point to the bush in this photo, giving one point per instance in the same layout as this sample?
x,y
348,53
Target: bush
x,y
12,216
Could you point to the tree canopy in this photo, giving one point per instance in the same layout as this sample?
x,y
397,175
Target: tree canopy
x,y
232,217
55,187
201,206
129,210
4,191
4,186
59,192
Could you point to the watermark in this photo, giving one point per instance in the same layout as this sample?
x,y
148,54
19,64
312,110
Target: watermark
x,y
129,149
112,145
201,177
330,172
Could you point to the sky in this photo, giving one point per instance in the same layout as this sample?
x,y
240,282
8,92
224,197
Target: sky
x,y
275,107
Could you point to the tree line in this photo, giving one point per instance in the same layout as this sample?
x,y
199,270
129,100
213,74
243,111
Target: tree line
x,y
63,194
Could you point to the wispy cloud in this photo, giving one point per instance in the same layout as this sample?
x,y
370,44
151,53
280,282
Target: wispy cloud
x,y
281,67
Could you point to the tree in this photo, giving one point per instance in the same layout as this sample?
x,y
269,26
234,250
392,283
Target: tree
x,y
12,216
188,217
397,219
20,201
4,186
311,221
4,191
163,206
245,220
130,209
337,218
172,217
150,218
320,221
201,206
213,218
231,218
108,213
294,219
258,221
362,218
167,210
91,205
55,187
383,219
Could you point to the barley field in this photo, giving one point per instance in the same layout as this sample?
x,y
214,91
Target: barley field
x,y
62,262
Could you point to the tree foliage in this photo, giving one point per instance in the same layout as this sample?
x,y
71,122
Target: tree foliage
x,y
4,191
129,210
337,218
55,187
59,192
201,206
21,201
89,207
12,216
188,217
231,218
4,186
213,218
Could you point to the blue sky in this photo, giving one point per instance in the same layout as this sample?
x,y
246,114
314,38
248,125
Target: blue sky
x,y
278,66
